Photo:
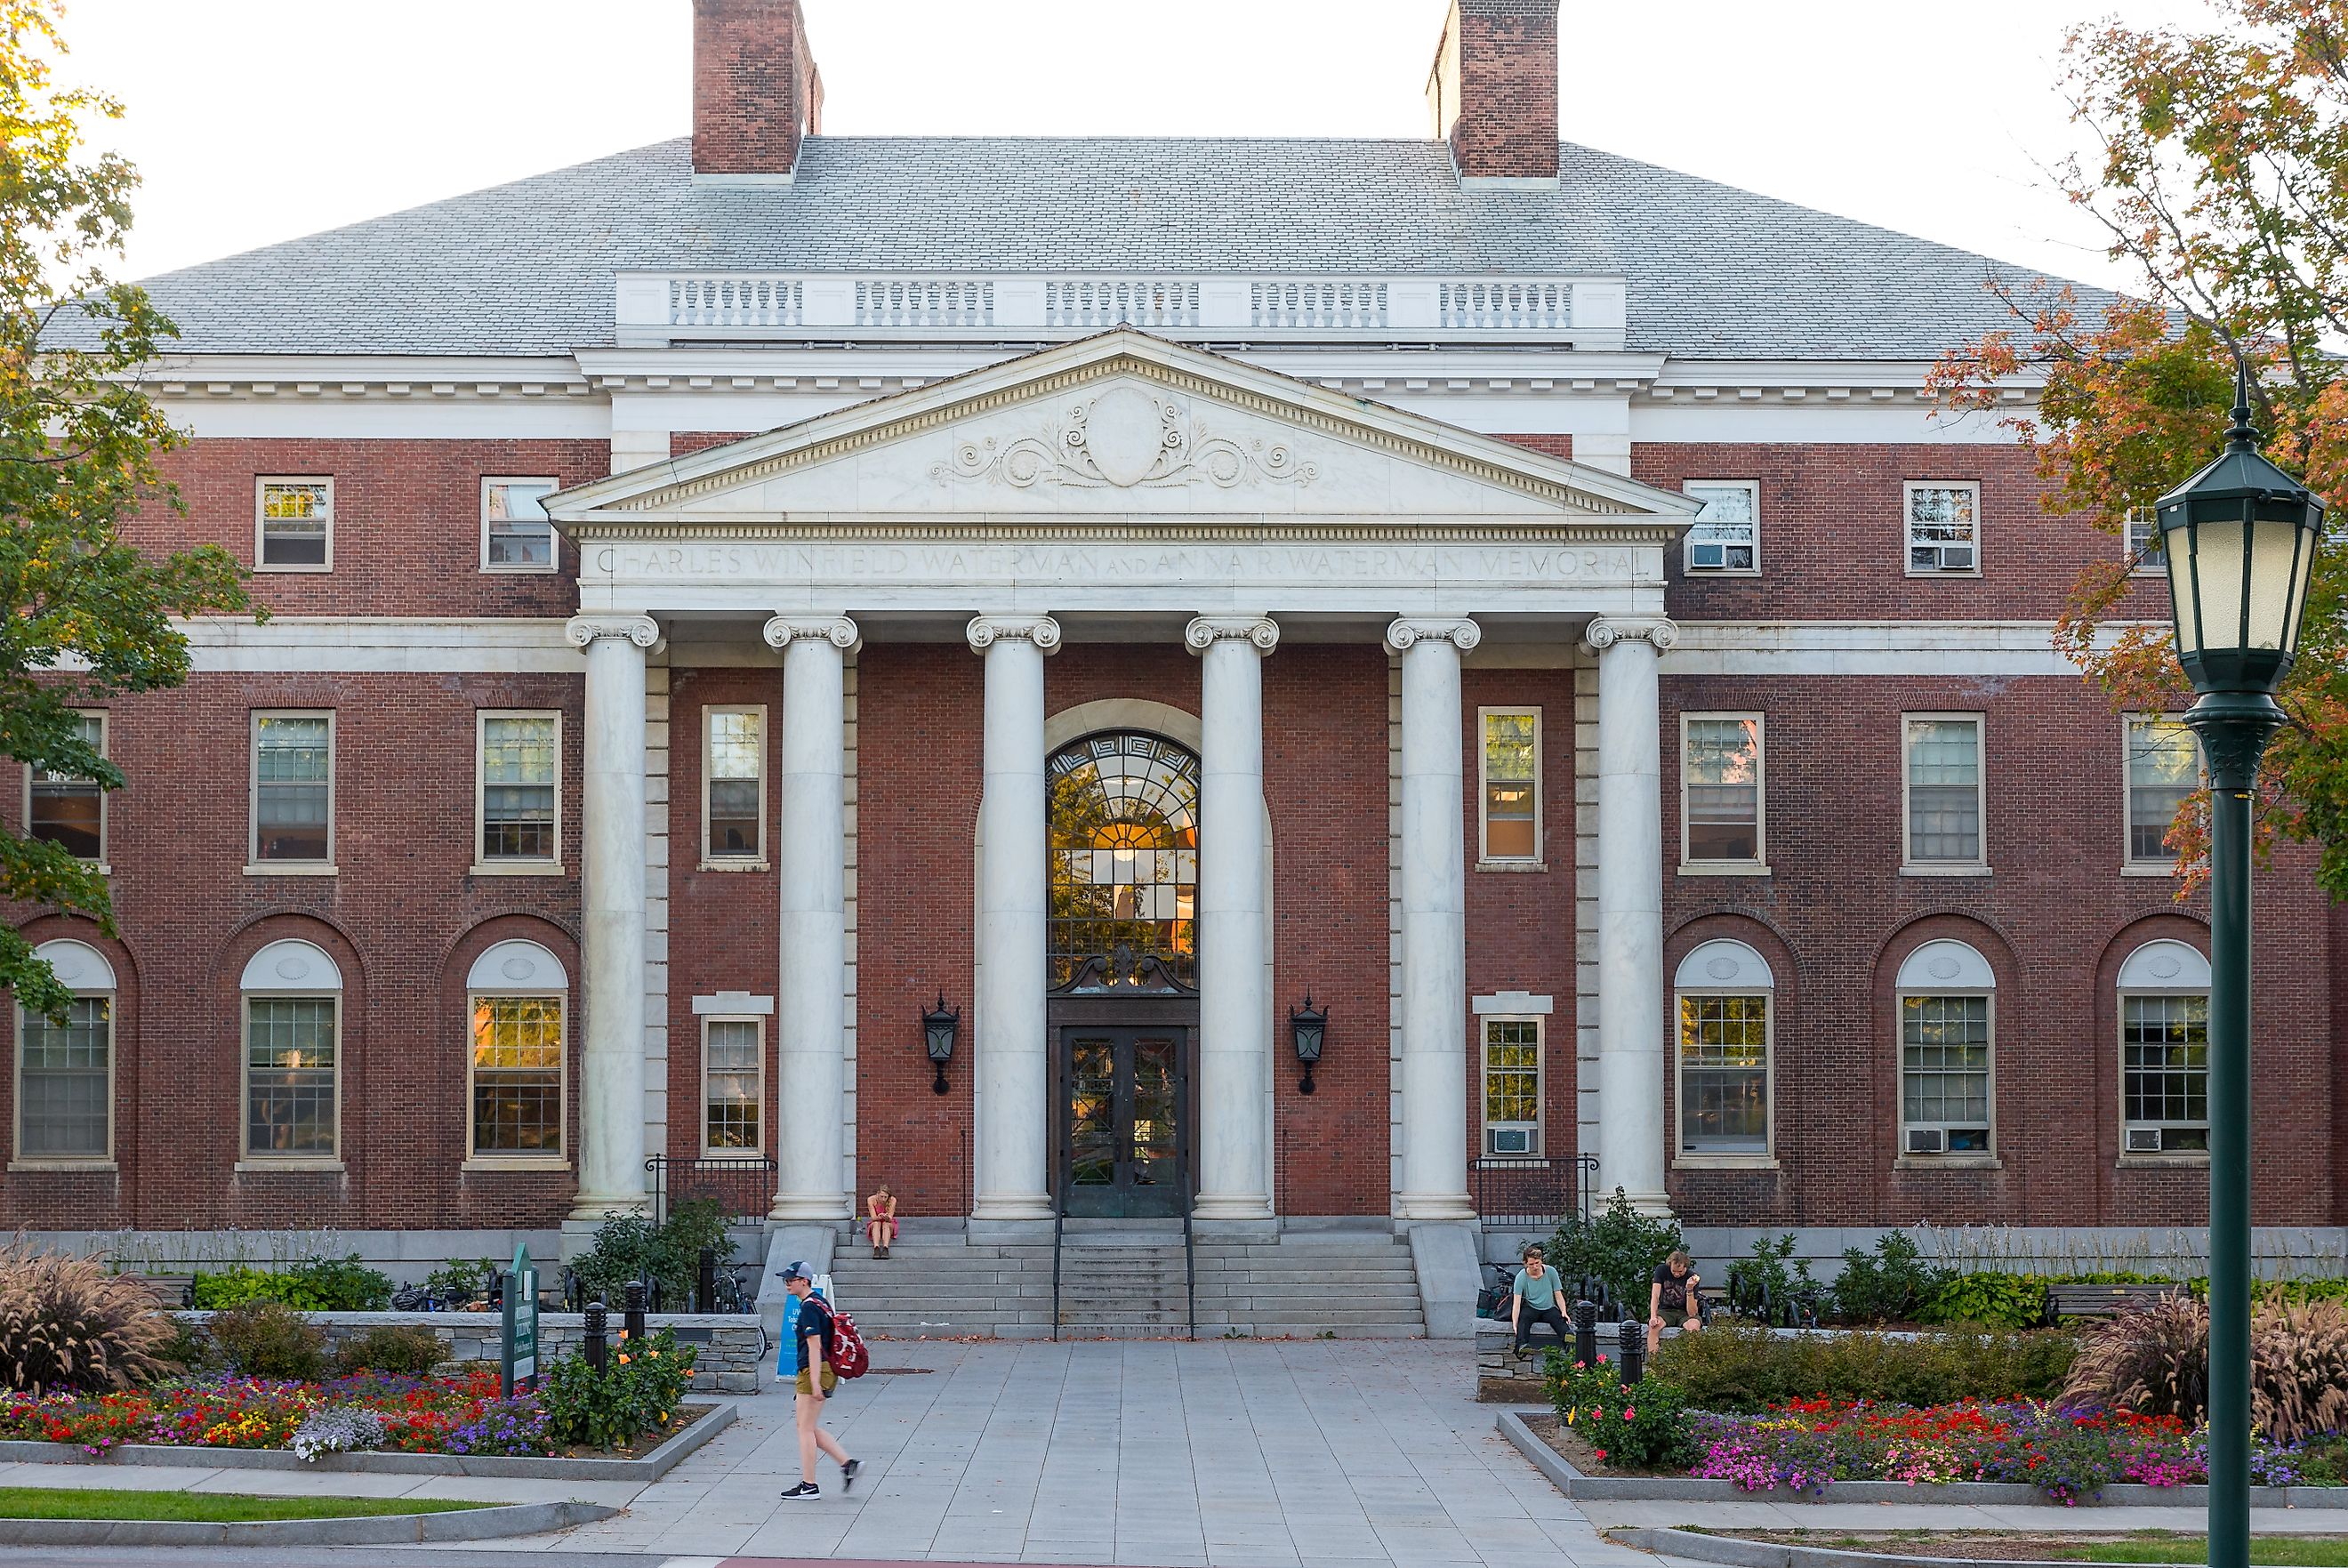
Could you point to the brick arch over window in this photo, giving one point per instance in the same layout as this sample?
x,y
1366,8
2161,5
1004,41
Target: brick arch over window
x,y
257,959
484,959
1967,1184
1750,1182
87,962
2174,1187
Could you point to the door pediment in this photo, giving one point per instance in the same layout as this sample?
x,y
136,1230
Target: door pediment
x,y
1123,426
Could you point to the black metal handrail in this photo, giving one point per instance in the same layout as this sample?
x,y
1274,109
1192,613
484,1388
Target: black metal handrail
x,y
1190,1277
1059,1223
1531,1191
743,1185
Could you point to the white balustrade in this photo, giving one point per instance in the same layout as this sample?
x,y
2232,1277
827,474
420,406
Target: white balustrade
x,y
1121,302
753,302
1479,304
1317,302
925,301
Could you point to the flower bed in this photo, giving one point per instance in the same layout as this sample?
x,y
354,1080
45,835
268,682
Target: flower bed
x,y
2068,1453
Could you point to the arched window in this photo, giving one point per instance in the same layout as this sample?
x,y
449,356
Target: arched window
x,y
2165,1050
1947,1053
64,1071
1725,997
292,1053
517,994
1123,850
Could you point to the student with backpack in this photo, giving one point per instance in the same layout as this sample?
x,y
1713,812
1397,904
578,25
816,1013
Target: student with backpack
x,y
817,1336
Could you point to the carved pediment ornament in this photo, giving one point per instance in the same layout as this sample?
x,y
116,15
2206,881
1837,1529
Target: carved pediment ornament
x,y
1128,438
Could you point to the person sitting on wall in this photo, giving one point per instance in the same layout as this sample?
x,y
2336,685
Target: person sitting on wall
x,y
1534,1300
880,1220
1673,1290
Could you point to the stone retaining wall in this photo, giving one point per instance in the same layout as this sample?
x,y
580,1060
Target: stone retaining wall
x,y
730,1352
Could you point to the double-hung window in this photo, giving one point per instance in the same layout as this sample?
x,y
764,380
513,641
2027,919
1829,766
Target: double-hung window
x,y
1942,758
2164,996
2164,767
1512,1085
64,1066
1943,530
733,785
516,535
294,528
293,791
1721,803
1724,990
1947,1010
1725,539
733,1085
1511,783
67,809
293,1004
521,793
517,1075
2144,549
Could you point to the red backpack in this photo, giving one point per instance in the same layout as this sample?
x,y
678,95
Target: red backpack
x,y
850,1359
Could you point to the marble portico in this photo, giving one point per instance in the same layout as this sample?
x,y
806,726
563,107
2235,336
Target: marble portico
x,y
1122,488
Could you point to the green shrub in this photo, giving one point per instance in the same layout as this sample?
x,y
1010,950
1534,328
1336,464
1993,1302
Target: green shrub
x,y
460,1279
1739,1367
1637,1426
270,1339
1620,1247
1889,1286
637,1391
397,1350
1763,1282
314,1285
1991,1300
189,1352
67,1324
631,1247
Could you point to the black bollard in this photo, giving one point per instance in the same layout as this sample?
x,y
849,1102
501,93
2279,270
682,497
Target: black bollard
x,y
592,1344
705,1282
632,1319
1585,1332
1634,1345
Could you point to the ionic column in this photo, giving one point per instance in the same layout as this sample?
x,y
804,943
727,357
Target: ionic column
x,y
1631,1025
1234,1010
811,861
611,879
1013,1077
1434,920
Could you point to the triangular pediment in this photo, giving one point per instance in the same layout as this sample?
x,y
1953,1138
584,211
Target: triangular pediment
x,y
1121,426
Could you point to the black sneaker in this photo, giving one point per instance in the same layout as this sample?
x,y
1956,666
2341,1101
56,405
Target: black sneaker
x,y
848,1473
806,1489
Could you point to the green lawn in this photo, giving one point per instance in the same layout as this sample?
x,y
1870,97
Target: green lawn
x,y
212,1507
2286,1551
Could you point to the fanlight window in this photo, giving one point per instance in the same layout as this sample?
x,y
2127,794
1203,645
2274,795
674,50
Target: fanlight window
x,y
1123,852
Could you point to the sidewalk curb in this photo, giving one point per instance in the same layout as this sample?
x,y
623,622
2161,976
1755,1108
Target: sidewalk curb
x,y
1703,1548
489,1467
372,1530
1955,1493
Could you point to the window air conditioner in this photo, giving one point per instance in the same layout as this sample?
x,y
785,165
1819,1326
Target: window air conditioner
x,y
1511,1140
2144,1141
1926,1140
1707,557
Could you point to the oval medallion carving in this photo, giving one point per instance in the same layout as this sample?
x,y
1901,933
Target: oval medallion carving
x,y
1125,432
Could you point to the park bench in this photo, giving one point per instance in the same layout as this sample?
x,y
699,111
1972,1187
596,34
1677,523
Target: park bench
x,y
2106,1300
172,1291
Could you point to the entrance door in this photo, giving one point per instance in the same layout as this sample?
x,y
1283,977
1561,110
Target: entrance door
x,y
1123,1150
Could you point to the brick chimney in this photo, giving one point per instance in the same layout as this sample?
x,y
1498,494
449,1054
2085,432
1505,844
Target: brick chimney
x,y
1494,92
756,91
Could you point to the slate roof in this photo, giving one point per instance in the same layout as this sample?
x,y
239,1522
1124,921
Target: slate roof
x,y
525,268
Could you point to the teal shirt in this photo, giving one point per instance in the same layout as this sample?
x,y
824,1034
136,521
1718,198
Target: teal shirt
x,y
1540,1295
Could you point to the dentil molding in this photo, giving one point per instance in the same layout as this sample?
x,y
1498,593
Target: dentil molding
x,y
581,631
1461,634
1205,631
838,629
986,631
1606,631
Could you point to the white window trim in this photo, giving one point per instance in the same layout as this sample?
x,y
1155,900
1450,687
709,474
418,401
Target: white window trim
x,y
1687,545
102,865
1962,1159
255,865
1758,866
482,865
757,1023
2119,1080
561,1159
1540,1124
249,1158
2136,566
1484,858
554,538
2130,866
105,1161
1724,1160
1908,489
260,488
759,861
1915,868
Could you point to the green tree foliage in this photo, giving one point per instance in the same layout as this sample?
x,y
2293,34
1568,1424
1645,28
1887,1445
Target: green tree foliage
x,y
84,616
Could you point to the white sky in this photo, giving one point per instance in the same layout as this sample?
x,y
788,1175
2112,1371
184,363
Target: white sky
x,y
255,120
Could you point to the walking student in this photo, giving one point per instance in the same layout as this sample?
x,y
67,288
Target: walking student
x,y
1673,1294
1534,1300
816,1379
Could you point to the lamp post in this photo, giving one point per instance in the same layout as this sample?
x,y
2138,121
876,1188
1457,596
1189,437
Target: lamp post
x,y
2239,538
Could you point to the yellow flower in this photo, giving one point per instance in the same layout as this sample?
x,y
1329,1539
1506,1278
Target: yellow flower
x,y
623,1360
655,1354
663,1415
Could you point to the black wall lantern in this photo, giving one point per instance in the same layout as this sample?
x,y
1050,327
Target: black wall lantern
x,y
938,1027
1309,1027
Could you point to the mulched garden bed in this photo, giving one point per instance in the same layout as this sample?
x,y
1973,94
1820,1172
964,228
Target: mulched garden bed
x,y
1578,1453
1986,1545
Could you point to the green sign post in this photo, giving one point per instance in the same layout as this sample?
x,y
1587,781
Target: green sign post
x,y
520,1350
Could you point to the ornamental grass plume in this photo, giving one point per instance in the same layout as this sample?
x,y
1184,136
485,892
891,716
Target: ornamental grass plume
x,y
67,1324
2155,1361
2299,1368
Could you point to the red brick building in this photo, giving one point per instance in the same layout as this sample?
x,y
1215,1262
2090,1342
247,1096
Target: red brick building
x,y
733,597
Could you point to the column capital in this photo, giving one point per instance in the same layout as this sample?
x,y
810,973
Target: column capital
x,y
581,631
838,629
985,631
1605,631
1205,631
1458,631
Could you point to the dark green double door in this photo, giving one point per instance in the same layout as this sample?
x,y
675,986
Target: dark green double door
x,y
1125,1116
